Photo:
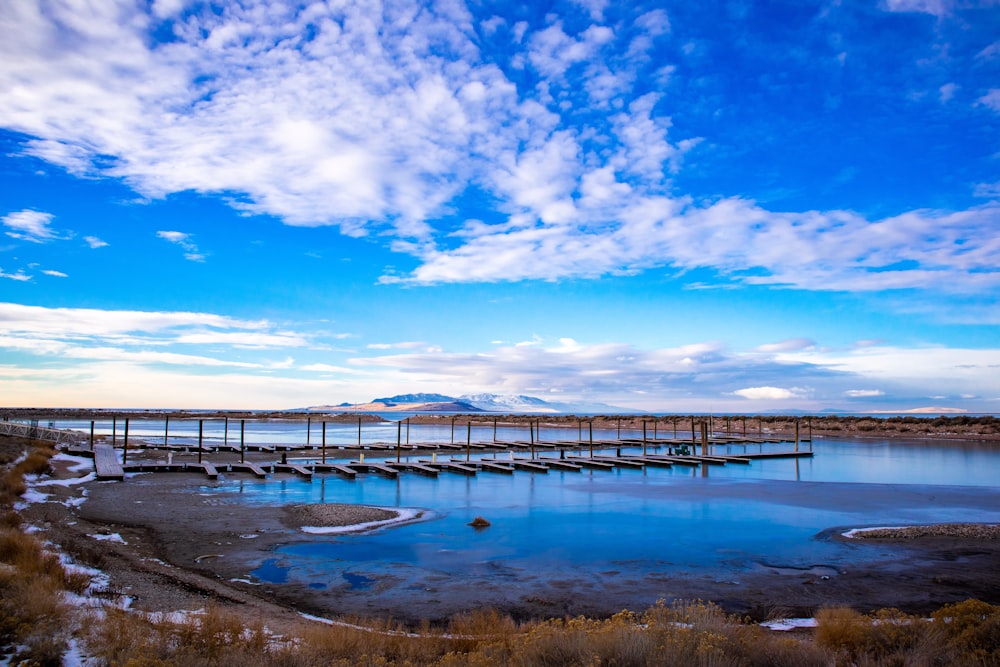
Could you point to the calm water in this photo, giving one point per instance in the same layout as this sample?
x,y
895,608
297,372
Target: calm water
x,y
719,521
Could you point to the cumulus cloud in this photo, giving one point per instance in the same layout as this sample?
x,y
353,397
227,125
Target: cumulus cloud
x,y
379,121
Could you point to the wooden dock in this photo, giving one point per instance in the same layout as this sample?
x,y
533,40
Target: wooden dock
x,y
106,463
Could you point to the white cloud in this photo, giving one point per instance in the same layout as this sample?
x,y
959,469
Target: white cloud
x,y
95,242
54,274
788,345
594,7
863,393
947,92
765,393
935,7
836,250
19,276
378,120
38,321
29,225
991,99
183,239
403,345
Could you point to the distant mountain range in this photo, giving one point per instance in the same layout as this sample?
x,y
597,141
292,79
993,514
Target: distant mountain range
x,y
502,403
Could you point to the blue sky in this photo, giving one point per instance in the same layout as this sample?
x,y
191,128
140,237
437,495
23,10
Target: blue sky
x,y
668,206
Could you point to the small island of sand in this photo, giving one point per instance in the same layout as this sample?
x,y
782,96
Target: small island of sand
x,y
342,518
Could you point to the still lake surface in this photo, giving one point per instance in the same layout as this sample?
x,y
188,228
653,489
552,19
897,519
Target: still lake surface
x,y
716,521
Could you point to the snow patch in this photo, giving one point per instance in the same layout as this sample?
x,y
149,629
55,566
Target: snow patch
x,y
403,515
110,537
786,624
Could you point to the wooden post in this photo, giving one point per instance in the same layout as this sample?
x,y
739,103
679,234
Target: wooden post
x,y
796,434
225,435
810,432
579,429
91,435
359,432
166,430
704,439
399,438
407,431
494,429
468,439
309,423
675,427
655,433
114,431
531,434
744,426
324,441
693,439
711,424
591,428
643,438
243,423
729,424
125,444
619,428
201,423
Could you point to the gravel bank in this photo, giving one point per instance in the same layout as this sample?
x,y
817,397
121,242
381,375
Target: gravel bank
x,y
968,531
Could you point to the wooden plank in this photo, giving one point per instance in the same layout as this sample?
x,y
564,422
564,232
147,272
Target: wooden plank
x,y
776,455
337,468
373,467
449,466
291,467
521,464
251,468
106,463
413,467
495,467
653,462
558,464
209,469
590,463
621,463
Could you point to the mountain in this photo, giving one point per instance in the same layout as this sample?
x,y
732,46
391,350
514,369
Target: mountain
x,y
501,403
414,398
507,403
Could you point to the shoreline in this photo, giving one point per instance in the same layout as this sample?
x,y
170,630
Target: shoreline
x,y
176,548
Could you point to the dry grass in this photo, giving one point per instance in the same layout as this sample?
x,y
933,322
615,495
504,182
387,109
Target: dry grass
x,y
33,617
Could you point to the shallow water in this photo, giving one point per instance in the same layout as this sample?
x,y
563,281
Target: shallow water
x,y
581,531
721,522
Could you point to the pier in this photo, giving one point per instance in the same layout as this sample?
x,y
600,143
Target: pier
x,y
428,458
